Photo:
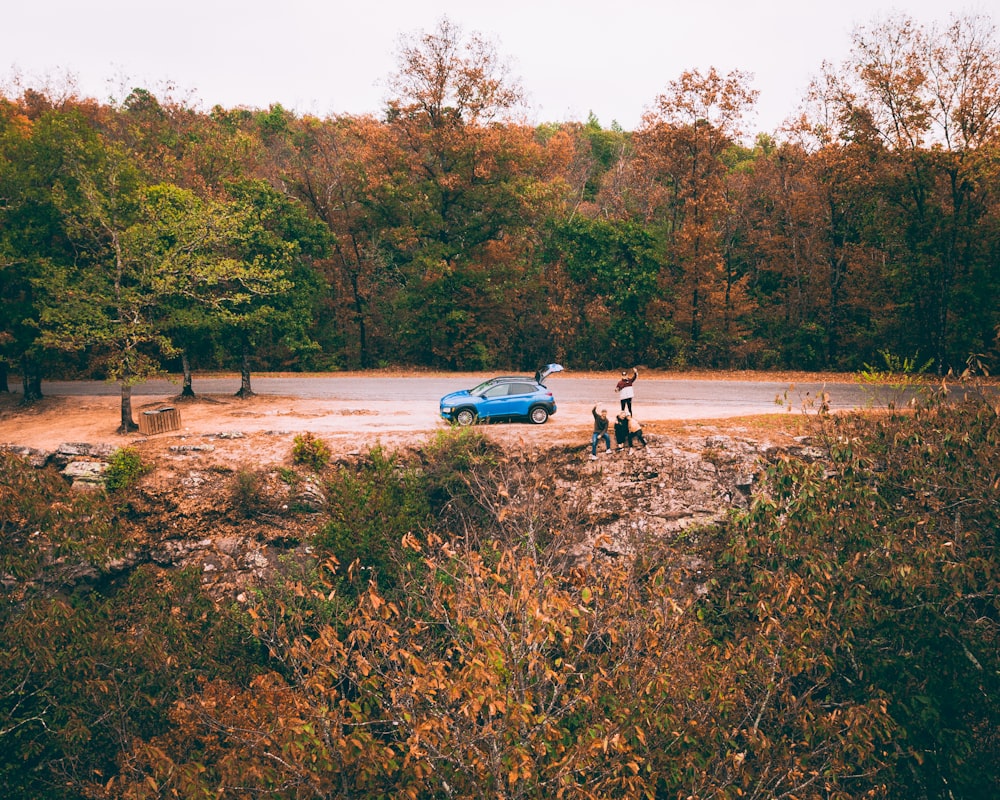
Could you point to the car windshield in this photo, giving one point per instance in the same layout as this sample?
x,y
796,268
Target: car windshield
x,y
478,391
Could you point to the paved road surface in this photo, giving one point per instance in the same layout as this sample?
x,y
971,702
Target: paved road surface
x,y
674,398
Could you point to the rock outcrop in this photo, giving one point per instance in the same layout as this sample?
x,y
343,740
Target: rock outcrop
x,y
191,510
658,491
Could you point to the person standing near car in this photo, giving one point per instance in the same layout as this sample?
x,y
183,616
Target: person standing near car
x,y
625,390
600,432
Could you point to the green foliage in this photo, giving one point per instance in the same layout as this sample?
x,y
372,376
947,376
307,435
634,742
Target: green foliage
x,y
125,468
310,451
616,266
895,368
372,507
897,382
876,590
106,298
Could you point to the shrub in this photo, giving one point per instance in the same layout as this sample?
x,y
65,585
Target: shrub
x,y
42,518
898,382
83,677
450,459
247,492
125,467
872,597
310,451
373,506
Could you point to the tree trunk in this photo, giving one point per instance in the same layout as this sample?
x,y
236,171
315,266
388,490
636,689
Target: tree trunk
x,y
187,392
3,377
127,425
245,390
359,312
31,380
36,385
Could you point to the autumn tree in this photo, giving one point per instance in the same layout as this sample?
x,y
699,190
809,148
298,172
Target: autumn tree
x,y
680,154
460,214
585,155
488,662
815,274
929,99
894,595
220,147
487,677
336,171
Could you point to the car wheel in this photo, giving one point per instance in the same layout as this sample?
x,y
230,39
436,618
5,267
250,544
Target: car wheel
x,y
538,415
465,416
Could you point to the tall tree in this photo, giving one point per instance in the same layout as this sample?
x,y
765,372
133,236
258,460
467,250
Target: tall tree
x,y
143,253
613,266
103,300
461,215
338,165
681,151
930,99
815,274
203,279
36,141
275,242
13,287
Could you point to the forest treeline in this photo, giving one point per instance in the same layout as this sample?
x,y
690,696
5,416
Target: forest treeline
x,y
433,637
448,233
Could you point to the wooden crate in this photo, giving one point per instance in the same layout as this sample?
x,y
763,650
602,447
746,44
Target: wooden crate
x,y
160,420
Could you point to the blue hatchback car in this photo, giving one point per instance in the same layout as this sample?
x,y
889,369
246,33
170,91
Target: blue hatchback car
x,y
504,398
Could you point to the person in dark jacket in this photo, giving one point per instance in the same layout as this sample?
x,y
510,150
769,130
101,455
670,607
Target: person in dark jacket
x,y
621,430
600,431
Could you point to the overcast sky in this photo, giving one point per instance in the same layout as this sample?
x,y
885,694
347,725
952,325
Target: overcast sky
x,y
612,57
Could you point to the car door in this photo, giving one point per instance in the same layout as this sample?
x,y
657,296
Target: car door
x,y
495,402
547,370
519,399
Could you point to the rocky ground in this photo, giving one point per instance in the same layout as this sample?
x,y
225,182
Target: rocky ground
x,y
221,496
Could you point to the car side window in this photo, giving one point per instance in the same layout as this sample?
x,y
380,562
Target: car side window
x,y
522,388
496,391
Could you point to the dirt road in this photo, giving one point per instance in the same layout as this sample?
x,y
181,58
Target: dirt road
x,y
355,411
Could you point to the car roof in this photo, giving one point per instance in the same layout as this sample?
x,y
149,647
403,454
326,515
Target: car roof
x,y
509,379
